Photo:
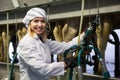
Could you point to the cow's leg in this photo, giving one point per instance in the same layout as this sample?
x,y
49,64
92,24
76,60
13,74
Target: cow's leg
x,y
19,34
1,49
57,32
24,31
5,44
68,33
103,32
70,29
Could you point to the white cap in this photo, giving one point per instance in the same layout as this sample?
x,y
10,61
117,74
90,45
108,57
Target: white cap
x,y
32,13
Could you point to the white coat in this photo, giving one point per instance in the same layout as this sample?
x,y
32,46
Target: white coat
x,y
35,57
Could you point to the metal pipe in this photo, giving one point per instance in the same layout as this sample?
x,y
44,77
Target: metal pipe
x,y
80,72
7,42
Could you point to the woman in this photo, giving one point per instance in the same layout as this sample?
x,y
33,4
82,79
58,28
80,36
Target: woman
x,y
35,49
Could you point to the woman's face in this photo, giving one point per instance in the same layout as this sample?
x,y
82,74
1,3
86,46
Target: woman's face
x,y
38,25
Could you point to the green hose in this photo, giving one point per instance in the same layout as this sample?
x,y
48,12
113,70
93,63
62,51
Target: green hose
x,y
12,68
81,49
71,49
71,74
105,71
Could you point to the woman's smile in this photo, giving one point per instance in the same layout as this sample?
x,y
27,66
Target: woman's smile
x,y
39,29
38,25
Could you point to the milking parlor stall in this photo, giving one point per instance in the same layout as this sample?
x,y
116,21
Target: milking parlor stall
x,y
67,19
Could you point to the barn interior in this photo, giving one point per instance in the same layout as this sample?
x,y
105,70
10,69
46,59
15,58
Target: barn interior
x,y
74,13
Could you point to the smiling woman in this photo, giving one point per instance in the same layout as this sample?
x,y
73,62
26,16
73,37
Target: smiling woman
x,y
35,49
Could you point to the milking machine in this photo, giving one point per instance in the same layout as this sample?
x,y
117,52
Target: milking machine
x,y
84,45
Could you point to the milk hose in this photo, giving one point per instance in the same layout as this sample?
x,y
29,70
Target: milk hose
x,y
105,71
12,68
81,49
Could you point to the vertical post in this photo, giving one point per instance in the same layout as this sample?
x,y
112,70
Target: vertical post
x,y
117,59
7,42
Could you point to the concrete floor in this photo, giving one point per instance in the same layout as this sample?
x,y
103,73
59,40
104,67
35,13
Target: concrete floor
x,y
4,74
